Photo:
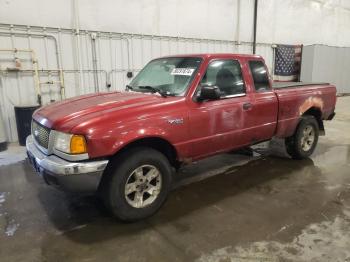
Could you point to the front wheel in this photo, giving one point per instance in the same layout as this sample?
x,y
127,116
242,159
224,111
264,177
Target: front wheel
x,y
138,184
303,143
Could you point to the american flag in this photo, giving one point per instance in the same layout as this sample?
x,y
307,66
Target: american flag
x,y
287,62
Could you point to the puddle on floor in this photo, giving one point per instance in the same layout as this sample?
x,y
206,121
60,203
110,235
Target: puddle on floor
x,y
318,242
11,228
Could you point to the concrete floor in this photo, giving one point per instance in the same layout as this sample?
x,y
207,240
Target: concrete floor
x,y
261,208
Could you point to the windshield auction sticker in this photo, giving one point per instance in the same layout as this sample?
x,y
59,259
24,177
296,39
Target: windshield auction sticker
x,y
182,71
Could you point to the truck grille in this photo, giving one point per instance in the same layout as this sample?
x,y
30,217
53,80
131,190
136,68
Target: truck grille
x,y
41,134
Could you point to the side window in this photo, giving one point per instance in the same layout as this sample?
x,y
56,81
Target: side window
x,y
226,75
260,76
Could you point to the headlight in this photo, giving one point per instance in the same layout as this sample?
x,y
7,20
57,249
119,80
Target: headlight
x,y
70,144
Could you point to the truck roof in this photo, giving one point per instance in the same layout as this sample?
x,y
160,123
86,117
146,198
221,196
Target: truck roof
x,y
217,55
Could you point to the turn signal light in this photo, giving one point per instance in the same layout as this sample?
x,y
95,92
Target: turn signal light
x,y
78,144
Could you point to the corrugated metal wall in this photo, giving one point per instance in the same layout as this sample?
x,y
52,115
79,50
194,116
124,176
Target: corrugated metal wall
x,y
64,49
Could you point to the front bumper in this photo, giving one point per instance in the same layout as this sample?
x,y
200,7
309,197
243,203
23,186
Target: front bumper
x,y
81,177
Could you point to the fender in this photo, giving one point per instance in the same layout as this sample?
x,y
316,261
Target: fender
x,y
311,105
108,143
138,134
311,102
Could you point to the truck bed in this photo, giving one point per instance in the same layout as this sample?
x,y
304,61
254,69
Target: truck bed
x,y
278,85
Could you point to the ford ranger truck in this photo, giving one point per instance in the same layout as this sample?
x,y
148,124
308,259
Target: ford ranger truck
x,y
126,146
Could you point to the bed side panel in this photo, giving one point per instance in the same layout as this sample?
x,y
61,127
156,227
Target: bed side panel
x,y
294,102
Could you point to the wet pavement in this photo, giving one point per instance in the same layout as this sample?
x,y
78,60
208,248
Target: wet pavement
x,y
231,207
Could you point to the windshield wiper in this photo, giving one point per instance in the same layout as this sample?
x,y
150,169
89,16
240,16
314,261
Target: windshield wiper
x,y
154,90
150,88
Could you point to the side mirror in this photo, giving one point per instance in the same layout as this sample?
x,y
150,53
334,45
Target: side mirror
x,y
209,93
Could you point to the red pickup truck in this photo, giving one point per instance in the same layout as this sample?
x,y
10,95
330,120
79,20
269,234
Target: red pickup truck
x,y
127,146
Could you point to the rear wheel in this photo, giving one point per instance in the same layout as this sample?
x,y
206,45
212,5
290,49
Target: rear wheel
x,y
303,143
138,184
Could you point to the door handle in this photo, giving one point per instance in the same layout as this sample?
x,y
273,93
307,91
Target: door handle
x,y
247,106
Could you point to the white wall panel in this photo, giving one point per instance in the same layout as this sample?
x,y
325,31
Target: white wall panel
x,y
279,21
321,63
195,18
304,22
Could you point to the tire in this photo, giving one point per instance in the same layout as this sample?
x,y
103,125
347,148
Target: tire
x,y
303,143
130,179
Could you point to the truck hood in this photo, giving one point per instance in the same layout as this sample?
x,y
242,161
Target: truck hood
x,y
66,114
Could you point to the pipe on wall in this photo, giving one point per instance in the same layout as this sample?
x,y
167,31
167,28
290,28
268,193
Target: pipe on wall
x,y
78,45
94,60
123,35
238,26
57,51
34,61
255,24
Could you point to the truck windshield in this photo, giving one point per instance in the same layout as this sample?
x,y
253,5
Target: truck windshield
x,y
167,76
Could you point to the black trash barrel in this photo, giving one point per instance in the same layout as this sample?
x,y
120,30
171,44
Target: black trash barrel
x,y
23,120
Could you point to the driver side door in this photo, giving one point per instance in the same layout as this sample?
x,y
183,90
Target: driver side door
x,y
219,125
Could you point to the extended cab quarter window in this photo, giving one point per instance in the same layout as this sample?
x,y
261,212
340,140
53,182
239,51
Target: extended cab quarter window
x,y
226,75
260,76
